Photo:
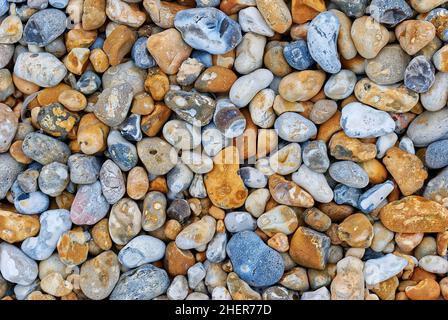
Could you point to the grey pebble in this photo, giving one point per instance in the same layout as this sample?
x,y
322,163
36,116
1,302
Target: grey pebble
x,y
349,173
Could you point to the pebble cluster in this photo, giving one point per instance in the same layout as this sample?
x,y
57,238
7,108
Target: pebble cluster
x,y
233,149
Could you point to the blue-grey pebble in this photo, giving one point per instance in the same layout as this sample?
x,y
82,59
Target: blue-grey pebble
x,y
440,14
44,26
352,8
4,7
179,210
419,75
293,127
297,55
53,223
141,250
140,54
252,177
370,254
37,4
436,155
407,145
216,248
237,221
179,178
349,173
428,126
208,29
88,83
15,266
144,283
31,203
253,261
373,197
315,156
58,4
121,151
322,39
98,43
203,57
207,3
390,12
9,170
437,188
346,195
45,149
130,128
84,169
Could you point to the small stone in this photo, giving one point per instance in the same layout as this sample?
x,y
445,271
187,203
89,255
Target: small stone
x,y
246,87
181,135
239,289
288,192
119,43
309,248
427,289
399,163
390,12
297,55
16,227
215,79
53,223
381,269
178,289
355,8
301,86
313,182
92,134
54,178
121,151
436,97
346,195
279,219
189,71
224,186
389,66
253,178
315,156
15,266
98,276
276,14
31,203
8,127
55,285
349,281
124,221
113,104
322,41
112,182
72,100
428,127
143,283
42,68
251,20
154,211
6,84
293,127
140,54
73,247
168,50
141,250
349,173
84,169
88,83
93,14
413,35
195,275
196,234
319,294
369,36
89,205
124,13
253,261
340,85
356,230
372,198
416,214
179,210
44,26
216,248
100,234
434,264
419,75
177,261
249,53
127,73
361,121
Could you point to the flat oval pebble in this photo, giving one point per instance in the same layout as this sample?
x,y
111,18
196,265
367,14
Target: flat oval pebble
x,y
293,127
16,266
45,149
44,26
212,30
253,261
436,155
419,75
141,250
89,205
349,173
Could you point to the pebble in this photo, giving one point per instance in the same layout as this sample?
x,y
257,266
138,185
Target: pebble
x,y
428,127
53,223
279,219
356,230
309,248
414,35
31,203
369,36
419,75
361,121
112,182
8,127
249,53
16,227
349,281
436,156
349,173
99,275
42,69
251,20
89,205
435,98
381,269
253,261
83,169
16,266
389,65
301,85
154,211
144,283
54,178
322,41
196,234
424,215
206,34
313,182
246,87
434,264
140,54
347,195
45,149
297,55
372,198
130,128
124,221
141,250
122,152
293,127
340,85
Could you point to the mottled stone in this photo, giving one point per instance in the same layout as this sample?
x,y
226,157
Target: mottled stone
x,y
15,266
309,248
112,182
89,205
